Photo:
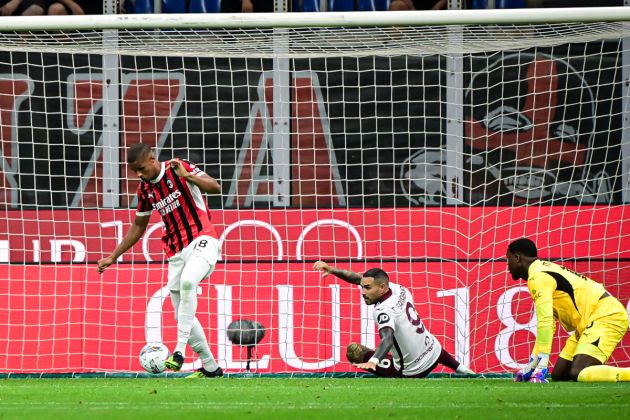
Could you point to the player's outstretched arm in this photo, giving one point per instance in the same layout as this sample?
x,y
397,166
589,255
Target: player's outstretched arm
x,y
541,288
387,341
348,276
135,232
205,182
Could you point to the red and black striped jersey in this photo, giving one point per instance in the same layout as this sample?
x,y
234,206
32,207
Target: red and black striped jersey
x,y
184,211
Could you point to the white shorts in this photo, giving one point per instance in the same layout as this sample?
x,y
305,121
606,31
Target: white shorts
x,y
196,261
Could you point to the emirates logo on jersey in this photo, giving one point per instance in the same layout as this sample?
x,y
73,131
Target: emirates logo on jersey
x,y
168,203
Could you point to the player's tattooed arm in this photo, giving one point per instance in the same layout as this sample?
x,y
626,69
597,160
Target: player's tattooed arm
x,y
345,275
387,341
349,276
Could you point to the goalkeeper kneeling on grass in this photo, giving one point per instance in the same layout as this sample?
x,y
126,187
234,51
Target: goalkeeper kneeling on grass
x,y
597,319
415,352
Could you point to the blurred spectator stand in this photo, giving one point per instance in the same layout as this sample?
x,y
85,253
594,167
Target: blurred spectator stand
x,y
340,5
173,6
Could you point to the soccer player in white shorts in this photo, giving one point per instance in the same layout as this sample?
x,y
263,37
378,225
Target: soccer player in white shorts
x,y
174,189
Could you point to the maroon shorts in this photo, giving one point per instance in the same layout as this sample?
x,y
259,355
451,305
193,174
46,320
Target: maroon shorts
x,y
386,368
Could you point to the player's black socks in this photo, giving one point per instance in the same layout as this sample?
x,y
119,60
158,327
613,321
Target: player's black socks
x,y
447,360
178,358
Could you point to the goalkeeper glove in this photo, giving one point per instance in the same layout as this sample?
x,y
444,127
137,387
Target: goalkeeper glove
x,y
540,376
540,361
526,373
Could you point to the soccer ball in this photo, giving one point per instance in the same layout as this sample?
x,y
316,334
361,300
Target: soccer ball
x,y
153,356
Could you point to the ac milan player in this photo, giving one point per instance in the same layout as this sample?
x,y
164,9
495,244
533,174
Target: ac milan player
x,y
416,352
174,189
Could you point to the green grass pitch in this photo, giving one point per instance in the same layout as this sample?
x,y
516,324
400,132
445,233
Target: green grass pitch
x,y
308,398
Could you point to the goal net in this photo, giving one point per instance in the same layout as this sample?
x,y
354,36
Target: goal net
x,y
421,143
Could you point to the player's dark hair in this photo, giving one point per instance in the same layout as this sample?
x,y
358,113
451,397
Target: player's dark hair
x,y
137,151
525,247
378,275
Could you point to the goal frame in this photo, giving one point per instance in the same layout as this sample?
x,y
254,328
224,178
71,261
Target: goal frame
x,y
320,19
454,19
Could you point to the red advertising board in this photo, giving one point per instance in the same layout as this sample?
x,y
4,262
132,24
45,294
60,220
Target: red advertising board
x,y
62,316
470,233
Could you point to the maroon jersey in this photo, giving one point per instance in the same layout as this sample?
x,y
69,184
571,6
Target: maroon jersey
x,y
184,210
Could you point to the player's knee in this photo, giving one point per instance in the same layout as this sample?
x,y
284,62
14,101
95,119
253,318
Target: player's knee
x,y
33,10
575,372
57,9
558,376
187,285
355,353
397,5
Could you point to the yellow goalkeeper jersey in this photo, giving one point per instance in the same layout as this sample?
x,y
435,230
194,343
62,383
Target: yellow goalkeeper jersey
x,y
562,294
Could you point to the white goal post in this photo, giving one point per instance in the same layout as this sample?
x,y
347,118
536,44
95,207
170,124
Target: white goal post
x,y
419,142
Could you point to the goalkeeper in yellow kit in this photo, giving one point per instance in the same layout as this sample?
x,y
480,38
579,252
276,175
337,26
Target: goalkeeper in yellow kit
x,y
597,319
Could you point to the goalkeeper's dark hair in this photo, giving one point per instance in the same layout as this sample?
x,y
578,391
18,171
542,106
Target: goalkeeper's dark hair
x,y
524,246
378,275
137,151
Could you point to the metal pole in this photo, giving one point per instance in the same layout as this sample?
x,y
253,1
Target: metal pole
x,y
454,116
625,102
111,115
282,81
